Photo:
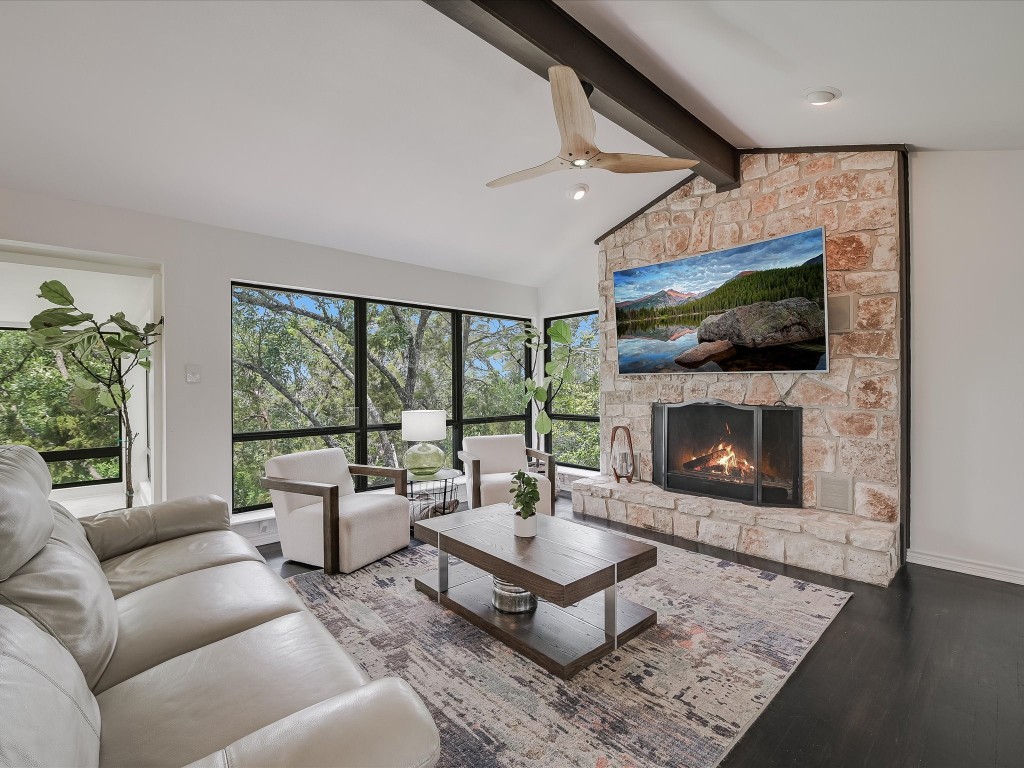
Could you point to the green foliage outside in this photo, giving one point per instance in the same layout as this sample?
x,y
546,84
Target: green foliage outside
x,y
579,442
806,280
35,410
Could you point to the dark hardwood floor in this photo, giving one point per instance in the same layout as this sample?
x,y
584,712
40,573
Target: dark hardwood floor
x,y
928,673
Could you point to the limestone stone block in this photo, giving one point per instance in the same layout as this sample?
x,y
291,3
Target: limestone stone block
x,y
684,526
639,515
869,161
836,187
762,542
616,510
878,184
657,220
694,505
752,167
835,283
838,376
827,216
852,423
781,178
818,164
827,530
868,214
809,497
764,204
696,388
807,391
730,390
791,158
890,429
594,506
880,393
751,230
700,234
868,283
886,254
872,366
714,199
794,194
669,393
783,521
634,410
814,423
876,312
819,454
677,239
870,460
632,493
784,381
663,520
876,501
577,502
725,235
763,390
872,567
867,344
848,252
788,221
718,533
815,554
734,513
734,210
661,499
879,539
771,162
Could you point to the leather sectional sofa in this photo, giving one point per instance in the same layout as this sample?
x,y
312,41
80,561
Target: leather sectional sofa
x,y
157,637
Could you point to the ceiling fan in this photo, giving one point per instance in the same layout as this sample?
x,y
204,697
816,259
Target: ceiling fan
x,y
576,124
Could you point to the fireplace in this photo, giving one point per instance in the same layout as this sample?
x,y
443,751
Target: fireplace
x,y
748,453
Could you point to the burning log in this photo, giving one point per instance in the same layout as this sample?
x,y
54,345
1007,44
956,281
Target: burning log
x,y
708,460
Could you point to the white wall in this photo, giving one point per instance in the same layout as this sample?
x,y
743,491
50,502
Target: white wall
x,y
967,420
574,290
198,264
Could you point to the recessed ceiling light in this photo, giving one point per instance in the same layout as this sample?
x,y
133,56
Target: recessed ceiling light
x,y
577,192
821,96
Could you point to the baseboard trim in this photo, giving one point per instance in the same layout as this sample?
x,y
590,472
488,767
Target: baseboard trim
x,y
970,567
270,537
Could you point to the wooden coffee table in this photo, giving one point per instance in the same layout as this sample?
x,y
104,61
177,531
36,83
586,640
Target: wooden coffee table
x,y
566,564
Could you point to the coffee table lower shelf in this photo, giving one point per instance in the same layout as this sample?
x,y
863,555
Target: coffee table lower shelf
x,y
561,640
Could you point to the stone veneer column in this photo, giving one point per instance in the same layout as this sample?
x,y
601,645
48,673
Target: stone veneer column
x,y
851,414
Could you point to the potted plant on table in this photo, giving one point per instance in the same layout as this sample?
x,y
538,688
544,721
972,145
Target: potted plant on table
x,y
525,495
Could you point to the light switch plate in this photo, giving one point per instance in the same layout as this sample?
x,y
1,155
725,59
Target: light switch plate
x,y
193,374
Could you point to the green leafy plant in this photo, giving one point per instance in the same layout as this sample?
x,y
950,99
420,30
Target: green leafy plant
x,y
105,353
557,371
525,495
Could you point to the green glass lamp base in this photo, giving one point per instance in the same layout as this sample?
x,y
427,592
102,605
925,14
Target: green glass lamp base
x,y
423,459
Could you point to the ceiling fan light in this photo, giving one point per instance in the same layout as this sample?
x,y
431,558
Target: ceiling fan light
x,y
581,163
577,192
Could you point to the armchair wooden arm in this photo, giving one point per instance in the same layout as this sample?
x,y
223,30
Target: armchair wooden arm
x,y
329,495
473,470
549,470
399,476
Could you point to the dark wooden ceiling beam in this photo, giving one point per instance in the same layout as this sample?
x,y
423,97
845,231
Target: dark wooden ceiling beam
x,y
538,34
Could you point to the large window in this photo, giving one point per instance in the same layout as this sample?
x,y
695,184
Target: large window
x,y
80,447
575,438
313,371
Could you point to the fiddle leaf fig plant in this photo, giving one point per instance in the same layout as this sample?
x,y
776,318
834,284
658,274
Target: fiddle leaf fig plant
x,y
105,353
557,371
525,495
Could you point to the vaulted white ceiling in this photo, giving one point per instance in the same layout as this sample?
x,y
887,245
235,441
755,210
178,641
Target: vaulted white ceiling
x,y
373,126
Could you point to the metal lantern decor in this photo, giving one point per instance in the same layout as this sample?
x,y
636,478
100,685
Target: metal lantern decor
x,y
623,460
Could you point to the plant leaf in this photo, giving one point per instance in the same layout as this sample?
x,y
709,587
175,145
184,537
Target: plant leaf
x,y
560,332
55,292
119,320
58,317
540,394
543,423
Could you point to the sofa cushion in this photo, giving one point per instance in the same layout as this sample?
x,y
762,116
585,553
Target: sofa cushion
x,y
64,591
150,565
200,702
498,453
178,615
25,518
49,716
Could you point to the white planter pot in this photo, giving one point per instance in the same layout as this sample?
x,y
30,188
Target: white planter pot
x,y
525,529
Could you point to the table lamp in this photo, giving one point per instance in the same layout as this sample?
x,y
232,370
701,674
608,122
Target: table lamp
x,y
424,458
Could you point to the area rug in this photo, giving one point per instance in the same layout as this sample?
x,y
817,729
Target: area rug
x,y
681,694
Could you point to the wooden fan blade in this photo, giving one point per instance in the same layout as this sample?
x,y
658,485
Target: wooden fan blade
x,y
622,162
555,164
573,114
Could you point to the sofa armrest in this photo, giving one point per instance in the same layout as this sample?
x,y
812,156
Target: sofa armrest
x,y
472,464
381,724
125,530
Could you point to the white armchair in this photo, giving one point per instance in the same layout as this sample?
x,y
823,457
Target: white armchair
x,y
323,522
491,461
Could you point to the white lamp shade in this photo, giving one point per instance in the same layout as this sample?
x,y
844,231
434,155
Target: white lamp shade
x,y
423,425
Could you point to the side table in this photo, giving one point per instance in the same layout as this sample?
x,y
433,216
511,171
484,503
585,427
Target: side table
x,y
432,495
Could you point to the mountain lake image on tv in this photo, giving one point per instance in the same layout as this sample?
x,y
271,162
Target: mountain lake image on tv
x,y
755,307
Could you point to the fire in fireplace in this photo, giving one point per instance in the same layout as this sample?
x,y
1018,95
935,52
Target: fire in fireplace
x,y
747,453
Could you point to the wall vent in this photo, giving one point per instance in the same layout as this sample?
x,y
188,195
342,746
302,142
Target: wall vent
x,y
835,493
840,313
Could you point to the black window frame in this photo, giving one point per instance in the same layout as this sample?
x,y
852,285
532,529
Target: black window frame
x,y
556,417
83,454
362,428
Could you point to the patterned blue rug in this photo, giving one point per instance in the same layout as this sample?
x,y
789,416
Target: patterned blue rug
x,y
680,694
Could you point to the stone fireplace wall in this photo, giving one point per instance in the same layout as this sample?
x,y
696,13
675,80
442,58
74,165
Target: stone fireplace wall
x,y
851,414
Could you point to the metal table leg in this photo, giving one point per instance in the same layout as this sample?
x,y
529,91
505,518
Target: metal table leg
x,y
611,612
442,569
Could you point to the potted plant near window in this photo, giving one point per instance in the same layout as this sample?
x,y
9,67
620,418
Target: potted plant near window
x,y
525,495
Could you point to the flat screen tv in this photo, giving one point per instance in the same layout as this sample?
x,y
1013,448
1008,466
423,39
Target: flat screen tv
x,y
759,307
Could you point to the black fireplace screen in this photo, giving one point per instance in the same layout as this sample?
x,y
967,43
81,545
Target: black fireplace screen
x,y
748,453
